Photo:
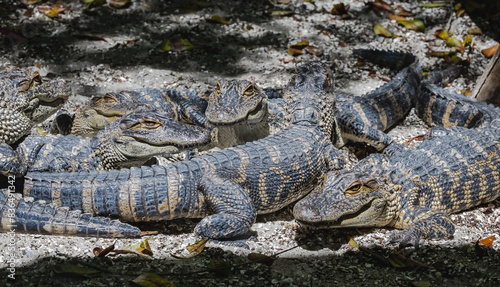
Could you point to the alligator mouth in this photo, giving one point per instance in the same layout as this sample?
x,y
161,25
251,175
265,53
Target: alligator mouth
x,y
341,222
127,139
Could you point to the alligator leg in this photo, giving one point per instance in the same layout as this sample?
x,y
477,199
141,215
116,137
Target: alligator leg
x,y
21,215
234,210
14,162
426,223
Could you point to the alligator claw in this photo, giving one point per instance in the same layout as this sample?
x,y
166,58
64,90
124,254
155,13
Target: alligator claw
x,y
406,238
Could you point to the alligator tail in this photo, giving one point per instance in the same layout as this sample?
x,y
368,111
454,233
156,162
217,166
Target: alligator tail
x,y
22,215
135,194
390,59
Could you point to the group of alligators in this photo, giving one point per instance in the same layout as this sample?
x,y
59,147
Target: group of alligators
x,y
264,149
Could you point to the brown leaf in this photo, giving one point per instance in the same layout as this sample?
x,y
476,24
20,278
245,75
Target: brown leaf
x,y
119,4
440,54
341,10
261,258
396,17
381,6
281,13
488,241
197,248
99,252
30,2
90,37
475,31
441,34
489,52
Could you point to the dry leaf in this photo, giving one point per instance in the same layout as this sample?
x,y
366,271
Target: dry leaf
x,y
261,258
488,241
441,34
281,13
177,45
30,2
475,31
421,283
99,252
353,243
433,5
489,52
453,42
381,6
218,19
192,250
416,25
152,280
396,17
119,4
380,30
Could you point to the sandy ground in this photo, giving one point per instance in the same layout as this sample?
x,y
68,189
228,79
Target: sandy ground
x,y
105,49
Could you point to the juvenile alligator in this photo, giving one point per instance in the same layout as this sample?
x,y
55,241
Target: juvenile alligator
x,y
242,113
23,215
25,101
130,141
231,185
438,106
411,188
183,105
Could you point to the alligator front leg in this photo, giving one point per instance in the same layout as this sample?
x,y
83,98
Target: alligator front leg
x,y
426,223
14,162
234,210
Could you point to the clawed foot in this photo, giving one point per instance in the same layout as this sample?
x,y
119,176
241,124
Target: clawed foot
x,y
406,238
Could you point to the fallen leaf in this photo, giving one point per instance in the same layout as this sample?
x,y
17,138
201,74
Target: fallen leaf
x,y
152,280
453,42
416,25
353,243
119,4
489,52
432,5
93,3
380,30
192,250
475,31
30,2
72,269
139,248
440,54
421,283
177,45
261,258
488,241
381,6
441,34
281,13
99,252
218,19
341,10
396,17
396,261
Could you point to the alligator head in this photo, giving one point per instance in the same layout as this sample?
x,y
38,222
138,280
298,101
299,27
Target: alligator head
x,y
142,134
309,99
347,199
26,100
101,111
238,109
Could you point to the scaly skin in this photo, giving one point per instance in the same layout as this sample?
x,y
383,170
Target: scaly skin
x,y
185,105
26,100
230,186
23,215
411,188
131,141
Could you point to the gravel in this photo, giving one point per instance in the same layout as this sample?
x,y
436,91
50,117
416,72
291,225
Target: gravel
x,y
104,49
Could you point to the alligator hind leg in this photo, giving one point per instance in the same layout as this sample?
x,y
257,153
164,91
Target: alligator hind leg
x,y
234,210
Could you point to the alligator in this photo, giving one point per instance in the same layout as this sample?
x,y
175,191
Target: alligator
x,y
411,188
26,100
438,106
130,141
242,113
226,187
183,105
23,215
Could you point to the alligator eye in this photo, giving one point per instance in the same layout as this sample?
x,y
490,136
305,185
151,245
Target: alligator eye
x,y
107,99
150,124
249,91
23,86
353,189
37,80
